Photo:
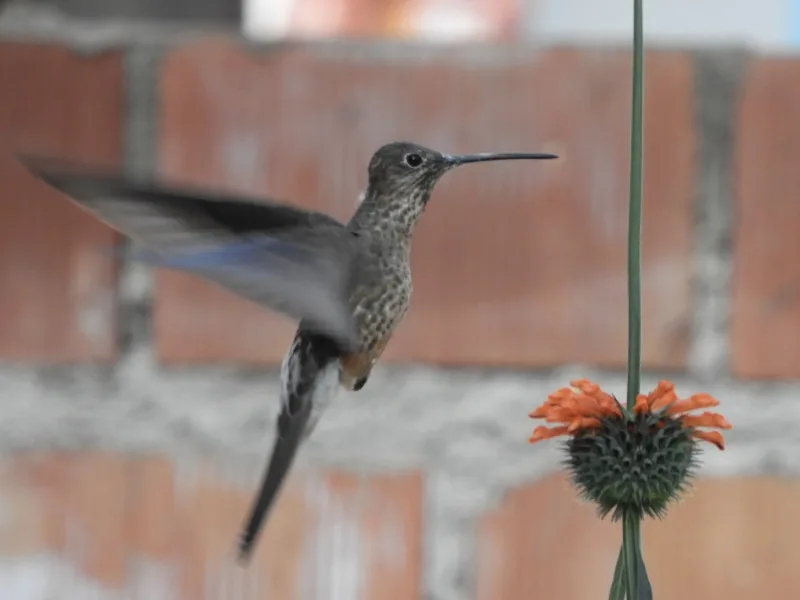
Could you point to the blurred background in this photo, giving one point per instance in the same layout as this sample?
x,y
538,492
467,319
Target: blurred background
x,y
138,406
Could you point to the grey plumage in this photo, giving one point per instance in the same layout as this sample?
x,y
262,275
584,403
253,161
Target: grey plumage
x,y
347,285
284,258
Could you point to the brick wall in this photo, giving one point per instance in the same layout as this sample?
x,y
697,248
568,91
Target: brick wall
x,y
139,406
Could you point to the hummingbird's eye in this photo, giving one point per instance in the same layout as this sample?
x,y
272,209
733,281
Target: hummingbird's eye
x,y
413,160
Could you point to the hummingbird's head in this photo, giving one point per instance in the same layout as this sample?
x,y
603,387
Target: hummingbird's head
x,y
403,168
402,176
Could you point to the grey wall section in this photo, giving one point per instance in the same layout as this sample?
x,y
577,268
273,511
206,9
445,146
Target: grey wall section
x,y
467,430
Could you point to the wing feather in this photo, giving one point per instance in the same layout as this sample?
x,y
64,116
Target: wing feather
x,y
297,262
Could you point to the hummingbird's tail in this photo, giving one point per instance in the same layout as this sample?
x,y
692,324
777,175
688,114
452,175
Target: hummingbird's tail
x,y
309,381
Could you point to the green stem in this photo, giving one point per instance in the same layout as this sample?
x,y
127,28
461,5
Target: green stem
x,y
630,533
618,581
636,584
635,214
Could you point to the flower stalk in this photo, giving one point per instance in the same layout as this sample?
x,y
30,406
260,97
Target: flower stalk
x,y
637,582
630,463
631,460
635,212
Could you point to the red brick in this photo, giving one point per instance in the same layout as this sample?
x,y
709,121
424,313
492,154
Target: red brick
x,y
211,514
732,538
151,514
317,518
58,301
40,481
514,264
105,512
766,281
389,513
543,543
96,501
194,322
29,525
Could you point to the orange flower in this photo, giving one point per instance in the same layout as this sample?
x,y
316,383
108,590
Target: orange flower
x,y
582,407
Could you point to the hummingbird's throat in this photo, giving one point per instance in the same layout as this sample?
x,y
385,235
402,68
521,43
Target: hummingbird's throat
x,y
390,214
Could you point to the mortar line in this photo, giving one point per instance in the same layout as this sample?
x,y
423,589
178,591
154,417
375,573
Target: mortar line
x,y
135,285
717,85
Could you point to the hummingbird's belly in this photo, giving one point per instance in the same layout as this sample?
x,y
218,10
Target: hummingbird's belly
x,y
378,319
377,315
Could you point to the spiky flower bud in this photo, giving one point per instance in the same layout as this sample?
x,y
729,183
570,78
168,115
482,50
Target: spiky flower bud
x,y
633,463
629,462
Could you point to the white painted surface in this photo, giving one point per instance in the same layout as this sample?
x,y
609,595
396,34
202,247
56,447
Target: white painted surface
x,y
266,20
48,577
767,24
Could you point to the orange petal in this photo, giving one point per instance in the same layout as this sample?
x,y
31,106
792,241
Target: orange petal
x,y
583,383
560,415
713,437
642,405
543,433
707,419
663,387
540,412
609,407
691,403
605,399
586,387
587,405
560,394
666,399
571,406
592,389
583,423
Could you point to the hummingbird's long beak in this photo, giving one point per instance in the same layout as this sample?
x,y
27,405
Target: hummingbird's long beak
x,y
486,156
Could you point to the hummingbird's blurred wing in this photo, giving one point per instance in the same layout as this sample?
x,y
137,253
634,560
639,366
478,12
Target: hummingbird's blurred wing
x,y
299,263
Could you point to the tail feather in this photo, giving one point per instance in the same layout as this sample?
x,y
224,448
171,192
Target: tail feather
x,y
309,377
283,452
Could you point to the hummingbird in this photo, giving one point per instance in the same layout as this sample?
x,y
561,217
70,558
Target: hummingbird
x,y
346,285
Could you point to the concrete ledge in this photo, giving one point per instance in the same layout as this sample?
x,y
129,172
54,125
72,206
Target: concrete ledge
x,y
412,417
